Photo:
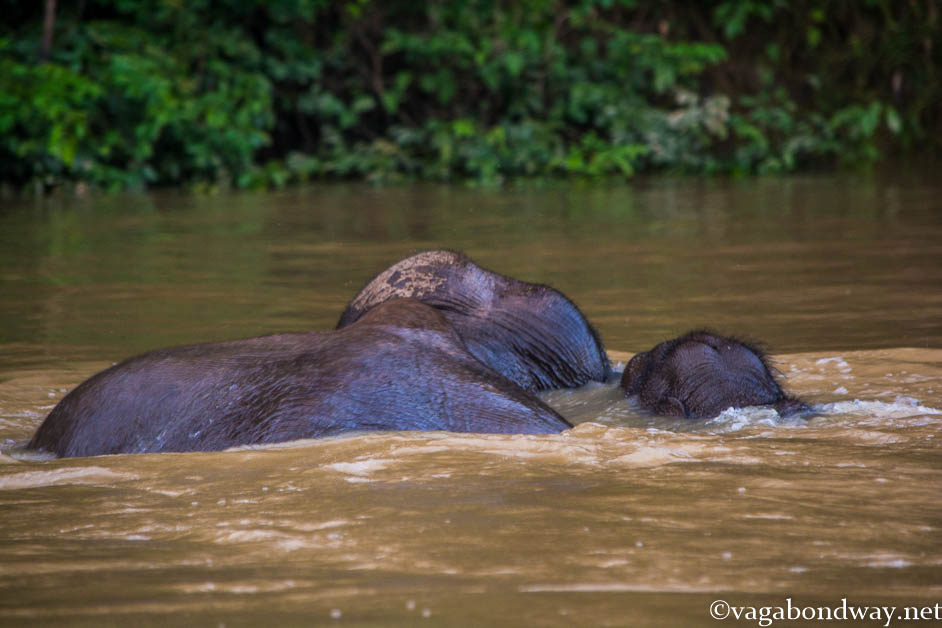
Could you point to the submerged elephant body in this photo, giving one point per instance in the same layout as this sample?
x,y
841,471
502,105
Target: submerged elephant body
x,y
529,333
434,342
701,374
401,367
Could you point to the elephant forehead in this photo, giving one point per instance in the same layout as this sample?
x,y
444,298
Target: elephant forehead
x,y
417,280
722,352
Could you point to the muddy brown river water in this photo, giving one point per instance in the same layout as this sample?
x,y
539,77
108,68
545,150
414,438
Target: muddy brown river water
x,y
626,520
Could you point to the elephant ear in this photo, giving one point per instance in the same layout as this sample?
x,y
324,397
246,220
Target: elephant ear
x,y
671,406
544,337
631,378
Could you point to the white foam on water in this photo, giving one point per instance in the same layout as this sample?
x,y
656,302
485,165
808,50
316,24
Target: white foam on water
x,y
839,362
735,419
899,408
80,475
360,468
615,587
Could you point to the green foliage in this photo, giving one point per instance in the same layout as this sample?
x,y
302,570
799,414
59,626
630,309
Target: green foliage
x,y
157,92
125,106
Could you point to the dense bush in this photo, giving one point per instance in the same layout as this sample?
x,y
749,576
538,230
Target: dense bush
x,y
145,92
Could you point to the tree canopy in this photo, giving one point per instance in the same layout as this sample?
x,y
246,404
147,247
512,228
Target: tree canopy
x,y
136,93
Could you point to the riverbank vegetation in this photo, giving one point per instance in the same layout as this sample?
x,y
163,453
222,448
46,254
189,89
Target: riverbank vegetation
x,y
138,93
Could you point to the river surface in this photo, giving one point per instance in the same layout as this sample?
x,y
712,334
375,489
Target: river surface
x,y
626,520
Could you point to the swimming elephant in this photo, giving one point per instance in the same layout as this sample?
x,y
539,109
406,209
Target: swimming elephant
x,y
529,333
400,367
700,374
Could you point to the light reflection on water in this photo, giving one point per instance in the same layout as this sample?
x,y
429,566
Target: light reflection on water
x,y
625,519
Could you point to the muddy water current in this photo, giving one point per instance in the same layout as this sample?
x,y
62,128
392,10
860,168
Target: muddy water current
x,y
625,520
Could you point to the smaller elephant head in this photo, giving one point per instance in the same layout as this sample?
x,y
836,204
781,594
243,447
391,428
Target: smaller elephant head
x,y
700,374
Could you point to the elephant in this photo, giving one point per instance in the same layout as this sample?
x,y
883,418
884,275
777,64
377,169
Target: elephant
x,y
400,366
701,373
529,333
